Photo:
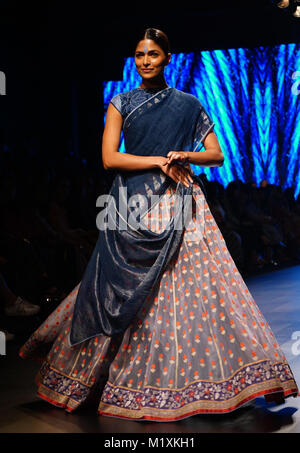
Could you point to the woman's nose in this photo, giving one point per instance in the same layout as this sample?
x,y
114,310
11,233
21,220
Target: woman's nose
x,y
145,62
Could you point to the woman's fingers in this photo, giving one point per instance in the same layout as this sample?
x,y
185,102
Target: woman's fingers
x,y
187,174
188,177
179,174
182,176
175,175
175,156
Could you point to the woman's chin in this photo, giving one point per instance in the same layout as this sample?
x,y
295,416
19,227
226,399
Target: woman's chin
x,y
147,75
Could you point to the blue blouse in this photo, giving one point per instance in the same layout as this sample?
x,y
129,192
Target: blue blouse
x,y
129,100
128,260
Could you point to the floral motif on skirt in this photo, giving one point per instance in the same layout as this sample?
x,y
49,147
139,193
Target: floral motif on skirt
x,y
199,344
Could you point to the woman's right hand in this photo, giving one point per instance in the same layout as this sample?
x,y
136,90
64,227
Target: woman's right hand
x,y
176,172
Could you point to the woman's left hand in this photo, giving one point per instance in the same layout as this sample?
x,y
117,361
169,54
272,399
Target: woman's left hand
x,y
181,156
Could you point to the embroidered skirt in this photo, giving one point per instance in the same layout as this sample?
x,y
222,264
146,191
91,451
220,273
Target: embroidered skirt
x,y
199,344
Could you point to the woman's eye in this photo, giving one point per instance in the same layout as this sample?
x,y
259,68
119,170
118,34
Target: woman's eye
x,y
138,55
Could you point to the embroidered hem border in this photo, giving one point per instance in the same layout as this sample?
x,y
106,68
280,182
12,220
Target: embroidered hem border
x,y
200,407
60,389
251,381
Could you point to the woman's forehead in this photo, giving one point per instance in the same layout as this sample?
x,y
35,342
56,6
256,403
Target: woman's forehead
x,y
146,45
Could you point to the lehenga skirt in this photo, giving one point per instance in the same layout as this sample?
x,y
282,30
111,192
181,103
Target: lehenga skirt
x,y
199,344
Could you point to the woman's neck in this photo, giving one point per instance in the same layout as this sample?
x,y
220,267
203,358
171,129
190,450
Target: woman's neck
x,y
154,84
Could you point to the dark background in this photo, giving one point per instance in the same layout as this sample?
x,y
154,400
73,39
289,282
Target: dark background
x,y
56,55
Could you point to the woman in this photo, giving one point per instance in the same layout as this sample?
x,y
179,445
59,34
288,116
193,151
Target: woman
x,y
162,326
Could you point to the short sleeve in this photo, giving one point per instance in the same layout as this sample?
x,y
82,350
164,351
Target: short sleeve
x,y
203,126
116,101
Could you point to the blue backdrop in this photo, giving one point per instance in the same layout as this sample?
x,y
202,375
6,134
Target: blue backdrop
x,y
252,95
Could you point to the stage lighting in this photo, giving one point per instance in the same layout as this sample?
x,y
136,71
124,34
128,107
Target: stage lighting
x,y
291,6
284,4
296,13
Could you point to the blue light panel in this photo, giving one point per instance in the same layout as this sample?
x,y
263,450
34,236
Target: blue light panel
x,y
249,95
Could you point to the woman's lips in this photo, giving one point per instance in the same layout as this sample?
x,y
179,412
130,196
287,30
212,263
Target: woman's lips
x,y
147,70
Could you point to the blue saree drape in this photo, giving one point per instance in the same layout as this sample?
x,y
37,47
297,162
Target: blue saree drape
x,y
128,261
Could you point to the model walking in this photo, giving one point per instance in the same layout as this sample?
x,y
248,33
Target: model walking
x,y
162,325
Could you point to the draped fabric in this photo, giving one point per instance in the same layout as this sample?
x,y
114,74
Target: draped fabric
x,y
171,328
129,258
200,344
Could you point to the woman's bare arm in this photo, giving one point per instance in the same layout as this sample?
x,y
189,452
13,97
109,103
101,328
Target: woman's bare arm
x,y
112,158
211,157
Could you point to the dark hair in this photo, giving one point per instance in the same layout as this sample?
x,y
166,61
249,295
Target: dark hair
x,y
159,37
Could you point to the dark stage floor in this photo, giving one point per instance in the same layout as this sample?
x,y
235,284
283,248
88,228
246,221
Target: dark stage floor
x,y
278,296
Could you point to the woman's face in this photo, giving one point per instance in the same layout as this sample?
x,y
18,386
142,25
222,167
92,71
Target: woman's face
x,y
150,59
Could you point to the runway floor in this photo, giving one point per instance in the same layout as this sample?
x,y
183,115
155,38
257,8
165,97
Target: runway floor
x,y
277,294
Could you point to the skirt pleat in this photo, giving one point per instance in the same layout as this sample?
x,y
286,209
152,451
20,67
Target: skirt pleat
x,y
199,344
